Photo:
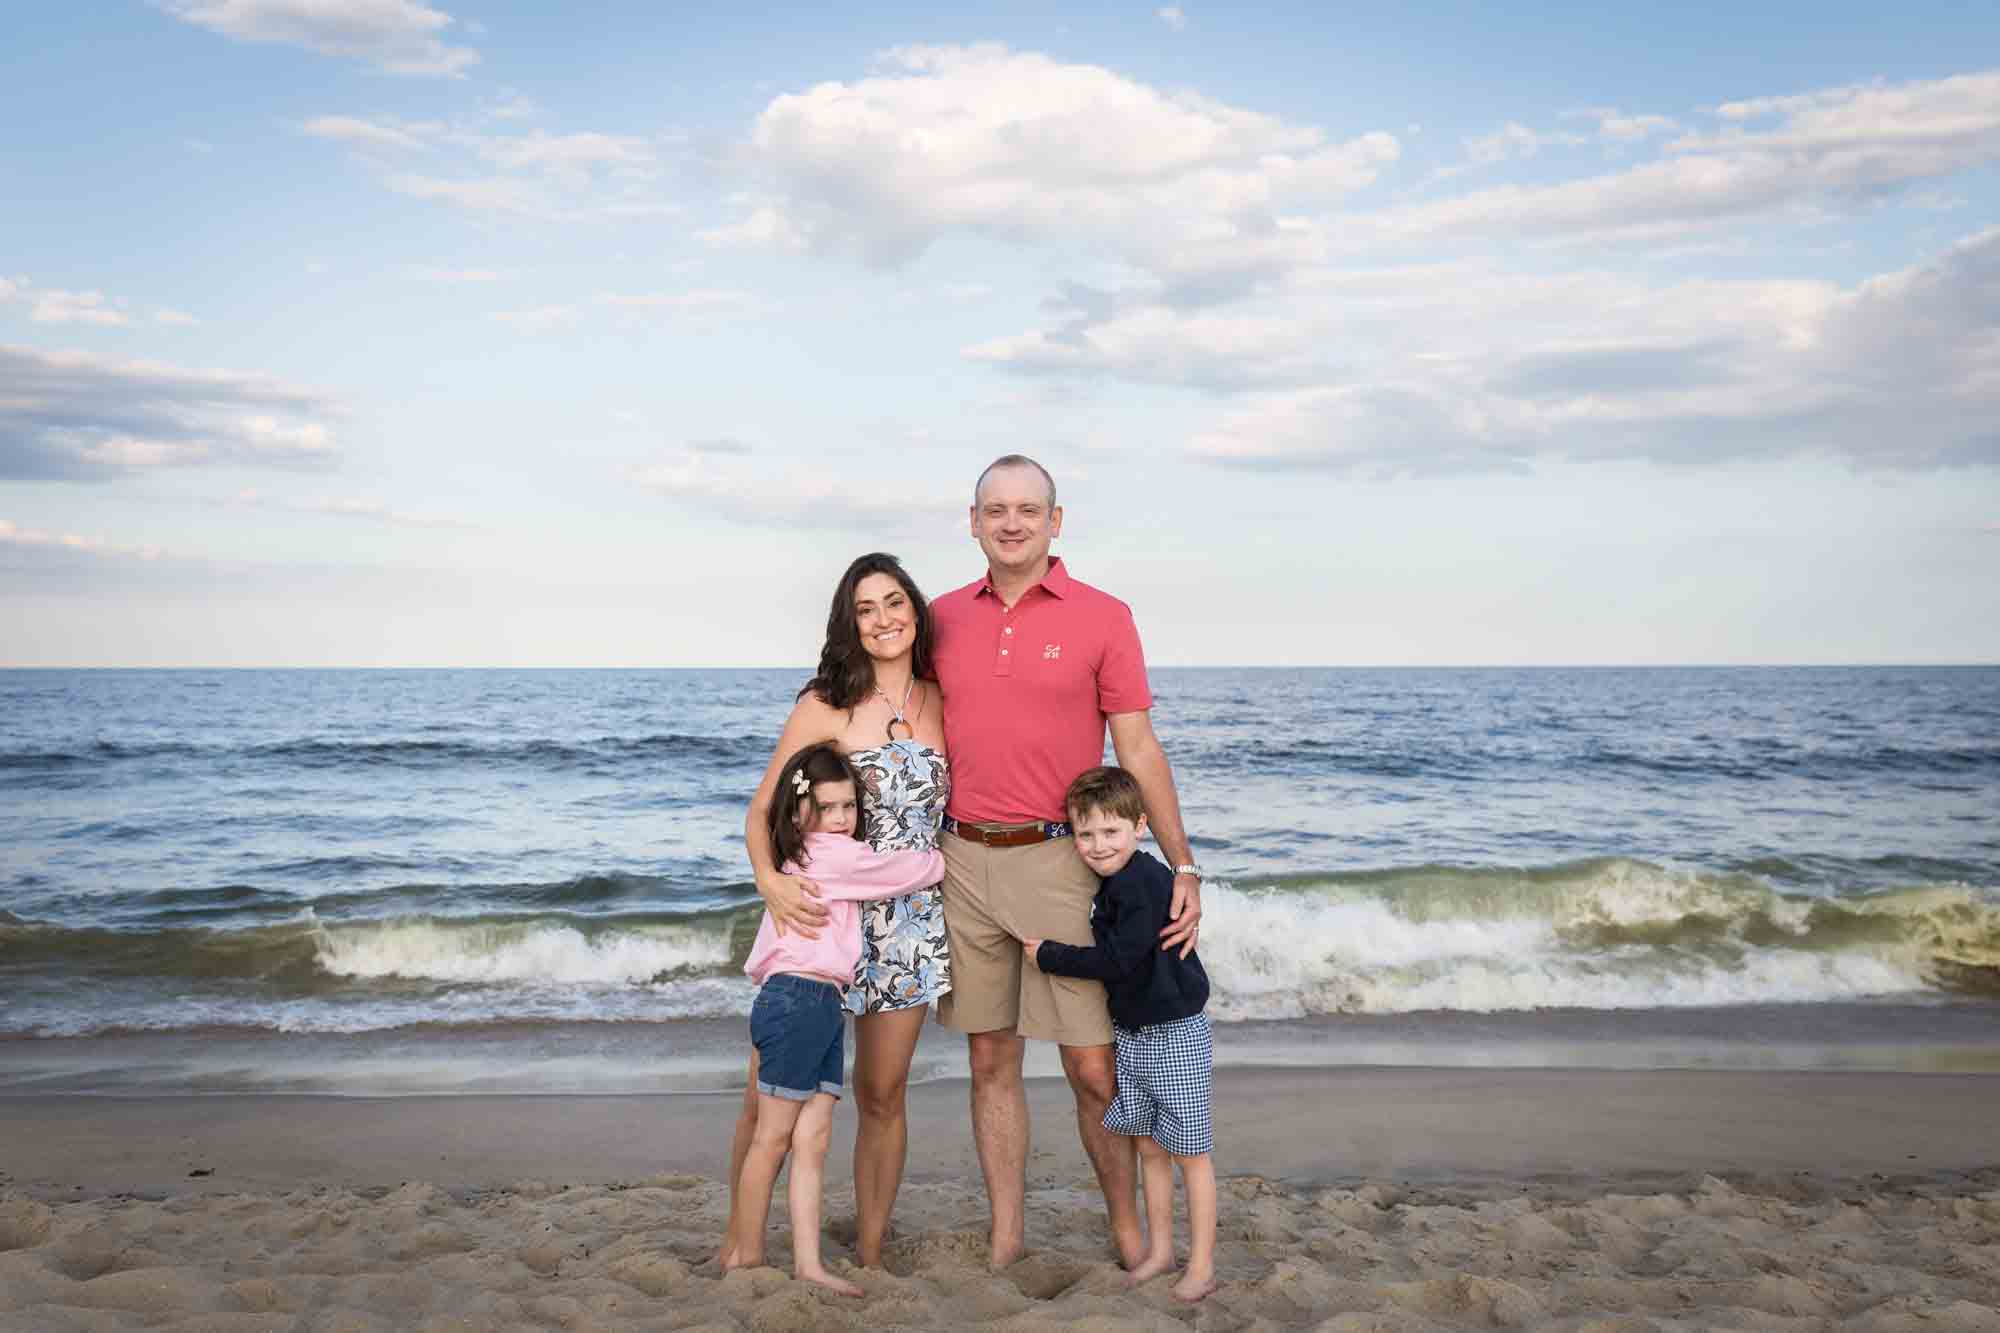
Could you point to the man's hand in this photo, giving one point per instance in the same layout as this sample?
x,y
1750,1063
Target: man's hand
x,y
794,905
1183,915
1031,948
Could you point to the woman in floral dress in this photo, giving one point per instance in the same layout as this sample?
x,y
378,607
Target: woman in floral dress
x,y
875,697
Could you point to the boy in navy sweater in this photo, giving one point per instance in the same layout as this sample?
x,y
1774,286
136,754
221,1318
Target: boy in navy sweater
x,y
1165,1050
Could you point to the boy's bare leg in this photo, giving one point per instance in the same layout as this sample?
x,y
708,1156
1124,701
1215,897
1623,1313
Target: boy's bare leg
x,y
883,1046
761,1164
1000,1133
739,1148
1093,1080
1198,1175
810,1137
1157,1169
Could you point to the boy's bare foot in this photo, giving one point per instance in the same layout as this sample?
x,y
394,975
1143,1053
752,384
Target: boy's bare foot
x,y
732,1260
1003,1254
1148,1268
838,1285
1191,1288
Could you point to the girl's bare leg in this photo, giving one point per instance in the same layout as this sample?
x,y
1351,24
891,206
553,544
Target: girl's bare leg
x,y
883,1046
761,1164
810,1137
1198,1175
1156,1169
739,1148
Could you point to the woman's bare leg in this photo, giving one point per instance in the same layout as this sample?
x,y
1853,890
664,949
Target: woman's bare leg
x,y
739,1148
883,1046
810,1137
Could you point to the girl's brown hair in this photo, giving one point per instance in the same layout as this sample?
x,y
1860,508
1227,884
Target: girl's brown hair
x,y
813,765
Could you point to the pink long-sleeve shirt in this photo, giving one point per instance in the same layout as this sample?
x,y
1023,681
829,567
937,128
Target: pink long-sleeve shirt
x,y
847,872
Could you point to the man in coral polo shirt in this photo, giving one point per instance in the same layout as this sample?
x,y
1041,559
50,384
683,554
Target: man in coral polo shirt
x,y
1035,666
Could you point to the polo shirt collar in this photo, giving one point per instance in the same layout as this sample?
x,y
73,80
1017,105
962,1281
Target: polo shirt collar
x,y
1055,582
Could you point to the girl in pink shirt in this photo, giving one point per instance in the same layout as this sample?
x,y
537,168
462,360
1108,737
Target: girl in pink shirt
x,y
795,1025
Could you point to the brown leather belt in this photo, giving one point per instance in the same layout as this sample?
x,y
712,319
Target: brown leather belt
x,y
1006,835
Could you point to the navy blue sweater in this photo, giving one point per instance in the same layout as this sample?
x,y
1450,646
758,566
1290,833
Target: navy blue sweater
x,y
1144,983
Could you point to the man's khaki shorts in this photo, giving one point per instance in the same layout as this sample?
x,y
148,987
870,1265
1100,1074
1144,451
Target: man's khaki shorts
x,y
992,897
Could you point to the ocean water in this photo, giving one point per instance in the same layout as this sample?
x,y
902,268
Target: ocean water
x,y
358,879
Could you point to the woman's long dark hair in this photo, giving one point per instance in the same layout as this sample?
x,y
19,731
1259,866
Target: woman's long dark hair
x,y
816,763
846,672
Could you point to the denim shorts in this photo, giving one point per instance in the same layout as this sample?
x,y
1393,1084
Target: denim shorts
x,y
795,1025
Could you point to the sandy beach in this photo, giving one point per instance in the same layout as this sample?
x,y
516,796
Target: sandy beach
x,y
1353,1199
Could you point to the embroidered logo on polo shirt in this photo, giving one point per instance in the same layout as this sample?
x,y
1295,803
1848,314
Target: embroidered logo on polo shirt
x,y
1051,651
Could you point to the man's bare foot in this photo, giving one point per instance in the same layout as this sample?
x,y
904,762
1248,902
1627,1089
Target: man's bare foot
x,y
838,1285
1192,1288
1148,1268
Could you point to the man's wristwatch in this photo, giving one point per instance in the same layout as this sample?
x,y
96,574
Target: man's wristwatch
x,y
1190,869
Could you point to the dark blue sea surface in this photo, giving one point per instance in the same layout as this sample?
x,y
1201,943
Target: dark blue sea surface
x,y
345,852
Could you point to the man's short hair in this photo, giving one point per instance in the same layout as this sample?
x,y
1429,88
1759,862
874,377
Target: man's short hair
x,y
1107,790
1015,460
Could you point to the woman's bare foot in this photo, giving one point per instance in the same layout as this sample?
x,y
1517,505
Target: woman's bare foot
x,y
1192,1288
1130,1242
1149,1268
825,1279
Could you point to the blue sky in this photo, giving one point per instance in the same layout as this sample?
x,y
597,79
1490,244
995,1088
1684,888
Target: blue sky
x,y
378,332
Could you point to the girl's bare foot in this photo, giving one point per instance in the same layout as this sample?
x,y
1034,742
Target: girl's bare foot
x,y
1149,1267
1191,1288
834,1284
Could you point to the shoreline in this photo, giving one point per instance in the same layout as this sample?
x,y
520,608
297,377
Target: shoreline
x,y
1316,1127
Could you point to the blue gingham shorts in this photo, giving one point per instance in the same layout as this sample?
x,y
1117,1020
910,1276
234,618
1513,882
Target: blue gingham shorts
x,y
1165,1073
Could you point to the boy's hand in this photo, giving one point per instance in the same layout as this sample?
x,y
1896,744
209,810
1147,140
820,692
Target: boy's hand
x,y
1031,948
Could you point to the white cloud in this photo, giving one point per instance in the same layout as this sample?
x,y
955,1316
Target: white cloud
x,y
513,106
1900,371
400,36
540,319
180,318
565,152
1616,127
60,307
1833,149
373,511
1018,145
458,275
715,302
742,492
13,534
492,194
352,129
74,416
1173,16
1515,140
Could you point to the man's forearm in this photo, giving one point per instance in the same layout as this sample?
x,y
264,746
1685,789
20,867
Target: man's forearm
x,y
1149,768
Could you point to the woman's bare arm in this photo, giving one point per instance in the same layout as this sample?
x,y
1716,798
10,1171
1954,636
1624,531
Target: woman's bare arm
x,y
792,900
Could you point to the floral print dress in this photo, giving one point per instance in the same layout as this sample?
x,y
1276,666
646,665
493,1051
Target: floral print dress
x,y
905,957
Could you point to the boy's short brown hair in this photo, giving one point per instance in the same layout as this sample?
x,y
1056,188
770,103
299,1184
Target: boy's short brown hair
x,y
1108,790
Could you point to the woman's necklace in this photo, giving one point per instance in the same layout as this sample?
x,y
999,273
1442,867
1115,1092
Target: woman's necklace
x,y
896,714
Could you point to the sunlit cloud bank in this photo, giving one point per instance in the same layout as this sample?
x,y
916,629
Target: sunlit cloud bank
x,y
78,416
